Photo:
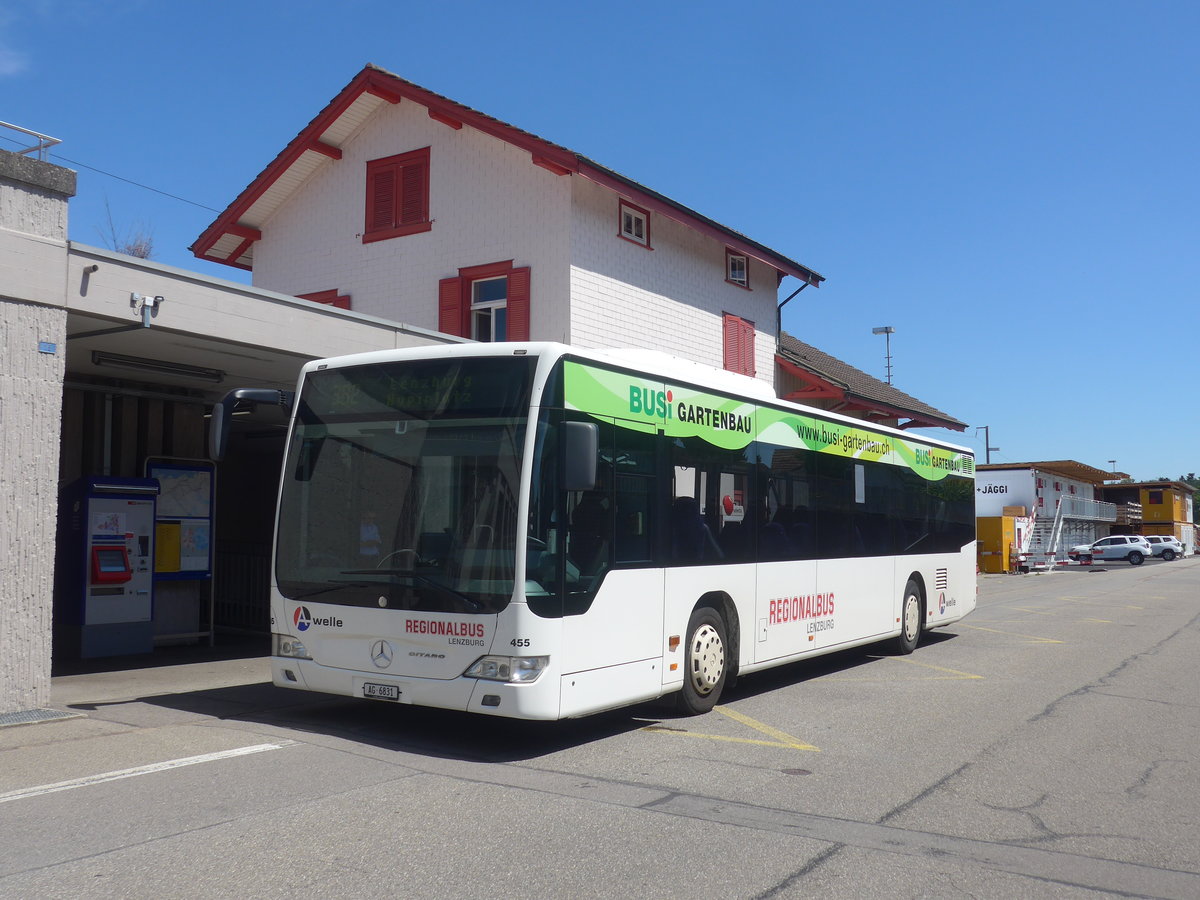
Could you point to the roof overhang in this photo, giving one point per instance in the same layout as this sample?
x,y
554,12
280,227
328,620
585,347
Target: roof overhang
x,y
1067,468
230,239
822,387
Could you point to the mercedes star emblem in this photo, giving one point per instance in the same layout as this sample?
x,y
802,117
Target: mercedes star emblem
x,y
381,654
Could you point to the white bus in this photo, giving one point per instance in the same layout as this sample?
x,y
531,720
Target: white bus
x,y
538,531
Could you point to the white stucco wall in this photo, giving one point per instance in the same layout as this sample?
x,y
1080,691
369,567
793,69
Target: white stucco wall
x,y
488,202
669,298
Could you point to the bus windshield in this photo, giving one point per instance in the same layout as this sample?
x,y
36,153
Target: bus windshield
x,y
400,485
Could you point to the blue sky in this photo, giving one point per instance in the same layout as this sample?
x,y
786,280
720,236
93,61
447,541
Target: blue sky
x,y
1012,186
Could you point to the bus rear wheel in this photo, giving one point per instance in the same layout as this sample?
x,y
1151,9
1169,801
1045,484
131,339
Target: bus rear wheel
x,y
706,662
910,618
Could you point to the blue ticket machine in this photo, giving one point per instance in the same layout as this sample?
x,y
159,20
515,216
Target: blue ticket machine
x,y
106,598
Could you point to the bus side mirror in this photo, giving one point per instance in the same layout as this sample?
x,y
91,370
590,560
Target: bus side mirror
x,y
581,444
222,414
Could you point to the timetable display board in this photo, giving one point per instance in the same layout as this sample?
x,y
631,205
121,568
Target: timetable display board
x,y
184,521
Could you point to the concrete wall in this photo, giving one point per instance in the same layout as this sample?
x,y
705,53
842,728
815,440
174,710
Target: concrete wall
x,y
33,253
488,202
30,417
671,297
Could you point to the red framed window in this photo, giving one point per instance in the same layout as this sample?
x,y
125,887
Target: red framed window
x,y
332,298
738,334
486,303
397,200
633,224
737,268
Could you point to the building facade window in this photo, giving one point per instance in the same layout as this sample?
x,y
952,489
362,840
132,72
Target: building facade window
x,y
397,201
737,269
489,308
738,338
634,224
486,303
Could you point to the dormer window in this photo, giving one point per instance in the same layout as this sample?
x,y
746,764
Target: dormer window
x,y
634,224
737,269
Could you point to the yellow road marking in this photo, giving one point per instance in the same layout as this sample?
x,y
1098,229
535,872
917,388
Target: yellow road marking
x,y
925,665
1104,605
1036,612
1101,621
782,739
1032,637
658,729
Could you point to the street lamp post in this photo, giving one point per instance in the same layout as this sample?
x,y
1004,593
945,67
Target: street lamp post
x,y
887,331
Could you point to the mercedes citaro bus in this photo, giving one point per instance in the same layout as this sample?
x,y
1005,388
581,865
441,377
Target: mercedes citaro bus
x,y
539,531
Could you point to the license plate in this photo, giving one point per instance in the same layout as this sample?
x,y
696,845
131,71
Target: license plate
x,y
381,691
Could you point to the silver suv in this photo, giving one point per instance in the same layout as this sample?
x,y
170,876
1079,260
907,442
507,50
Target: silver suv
x,y
1166,546
1131,547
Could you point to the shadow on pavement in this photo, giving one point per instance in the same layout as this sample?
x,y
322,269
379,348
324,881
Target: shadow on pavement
x,y
449,734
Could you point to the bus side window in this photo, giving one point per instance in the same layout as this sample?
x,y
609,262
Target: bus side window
x,y
634,471
590,515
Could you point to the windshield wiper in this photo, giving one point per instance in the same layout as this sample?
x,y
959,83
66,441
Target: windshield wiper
x,y
337,586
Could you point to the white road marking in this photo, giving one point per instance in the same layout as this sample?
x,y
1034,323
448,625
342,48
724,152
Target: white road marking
x,y
138,770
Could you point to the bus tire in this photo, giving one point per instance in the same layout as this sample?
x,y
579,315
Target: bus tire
x,y
910,618
706,662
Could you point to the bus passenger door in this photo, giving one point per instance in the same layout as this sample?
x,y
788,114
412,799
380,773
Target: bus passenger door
x,y
613,614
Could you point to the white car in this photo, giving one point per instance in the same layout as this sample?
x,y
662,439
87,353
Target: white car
x,y
1166,546
1131,547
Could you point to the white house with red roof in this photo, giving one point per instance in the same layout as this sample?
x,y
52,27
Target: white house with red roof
x,y
400,203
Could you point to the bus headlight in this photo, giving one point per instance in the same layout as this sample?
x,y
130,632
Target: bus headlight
x,y
286,645
513,669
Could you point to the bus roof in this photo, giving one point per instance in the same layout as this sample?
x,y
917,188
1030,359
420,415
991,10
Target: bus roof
x,y
653,362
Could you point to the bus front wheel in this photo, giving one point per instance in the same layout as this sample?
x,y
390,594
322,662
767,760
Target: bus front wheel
x,y
706,662
910,618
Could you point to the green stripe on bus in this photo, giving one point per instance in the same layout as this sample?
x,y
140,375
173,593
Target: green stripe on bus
x,y
732,424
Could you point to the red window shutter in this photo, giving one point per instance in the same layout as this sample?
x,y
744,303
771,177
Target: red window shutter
x,y
332,298
518,305
451,316
747,342
381,200
733,357
738,337
414,193
397,201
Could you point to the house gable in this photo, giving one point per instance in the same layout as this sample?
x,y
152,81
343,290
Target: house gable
x,y
231,239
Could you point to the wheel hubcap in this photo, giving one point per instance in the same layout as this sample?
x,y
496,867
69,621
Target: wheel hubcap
x,y
708,659
912,617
